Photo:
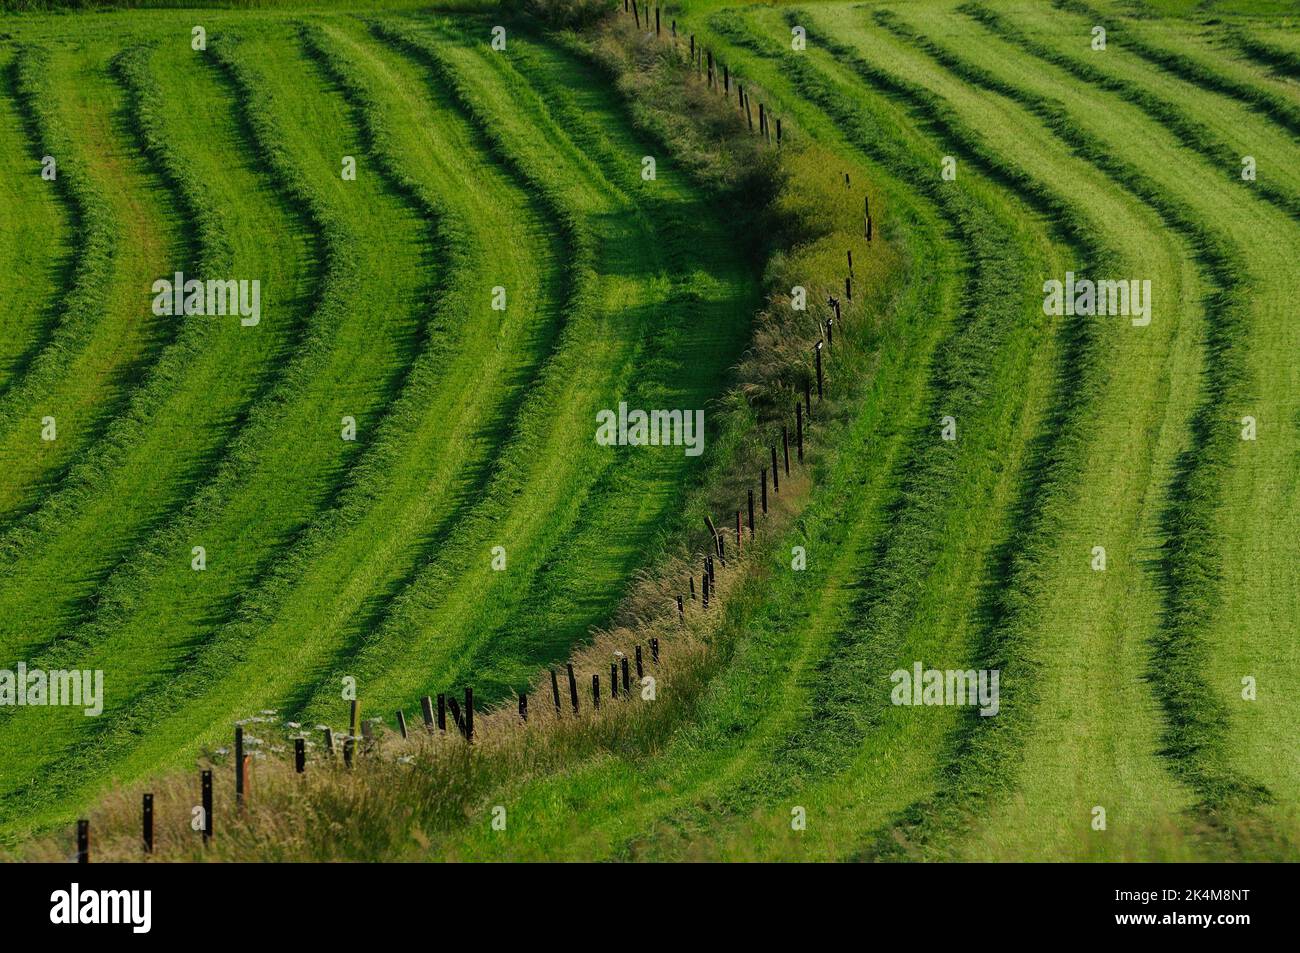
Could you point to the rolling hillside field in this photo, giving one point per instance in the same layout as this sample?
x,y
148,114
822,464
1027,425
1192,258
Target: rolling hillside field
x,y
971,533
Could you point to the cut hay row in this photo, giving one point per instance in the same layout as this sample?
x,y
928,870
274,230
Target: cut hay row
x,y
37,246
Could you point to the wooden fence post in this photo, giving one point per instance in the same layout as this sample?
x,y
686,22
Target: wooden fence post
x,y
613,679
848,287
798,428
573,689
657,21
830,332
654,650
239,765
640,672
245,768
692,582
401,723
681,606
442,712
329,741
713,576
349,743
785,448
595,691
83,842
354,716
469,714
523,707
627,678
778,130
555,691
850,254
636,13
818,349
740,536
726,80
205,785
426,709
776,479
146,823
299,755
706,592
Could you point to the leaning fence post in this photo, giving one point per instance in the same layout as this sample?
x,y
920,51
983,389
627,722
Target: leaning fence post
x,y
426,709
146,823
299,755
401,723
555,691
205,785
573,688
83,842
636,14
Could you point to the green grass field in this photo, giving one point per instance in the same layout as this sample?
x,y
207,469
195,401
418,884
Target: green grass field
x,y
375,558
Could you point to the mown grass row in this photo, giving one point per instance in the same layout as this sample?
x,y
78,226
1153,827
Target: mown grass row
x,y
1196,721
91,219
1265,53
37,247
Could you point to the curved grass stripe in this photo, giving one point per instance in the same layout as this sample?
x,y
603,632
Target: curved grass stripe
x,y
36,245
106,333
1194,735
1274,48
289,460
